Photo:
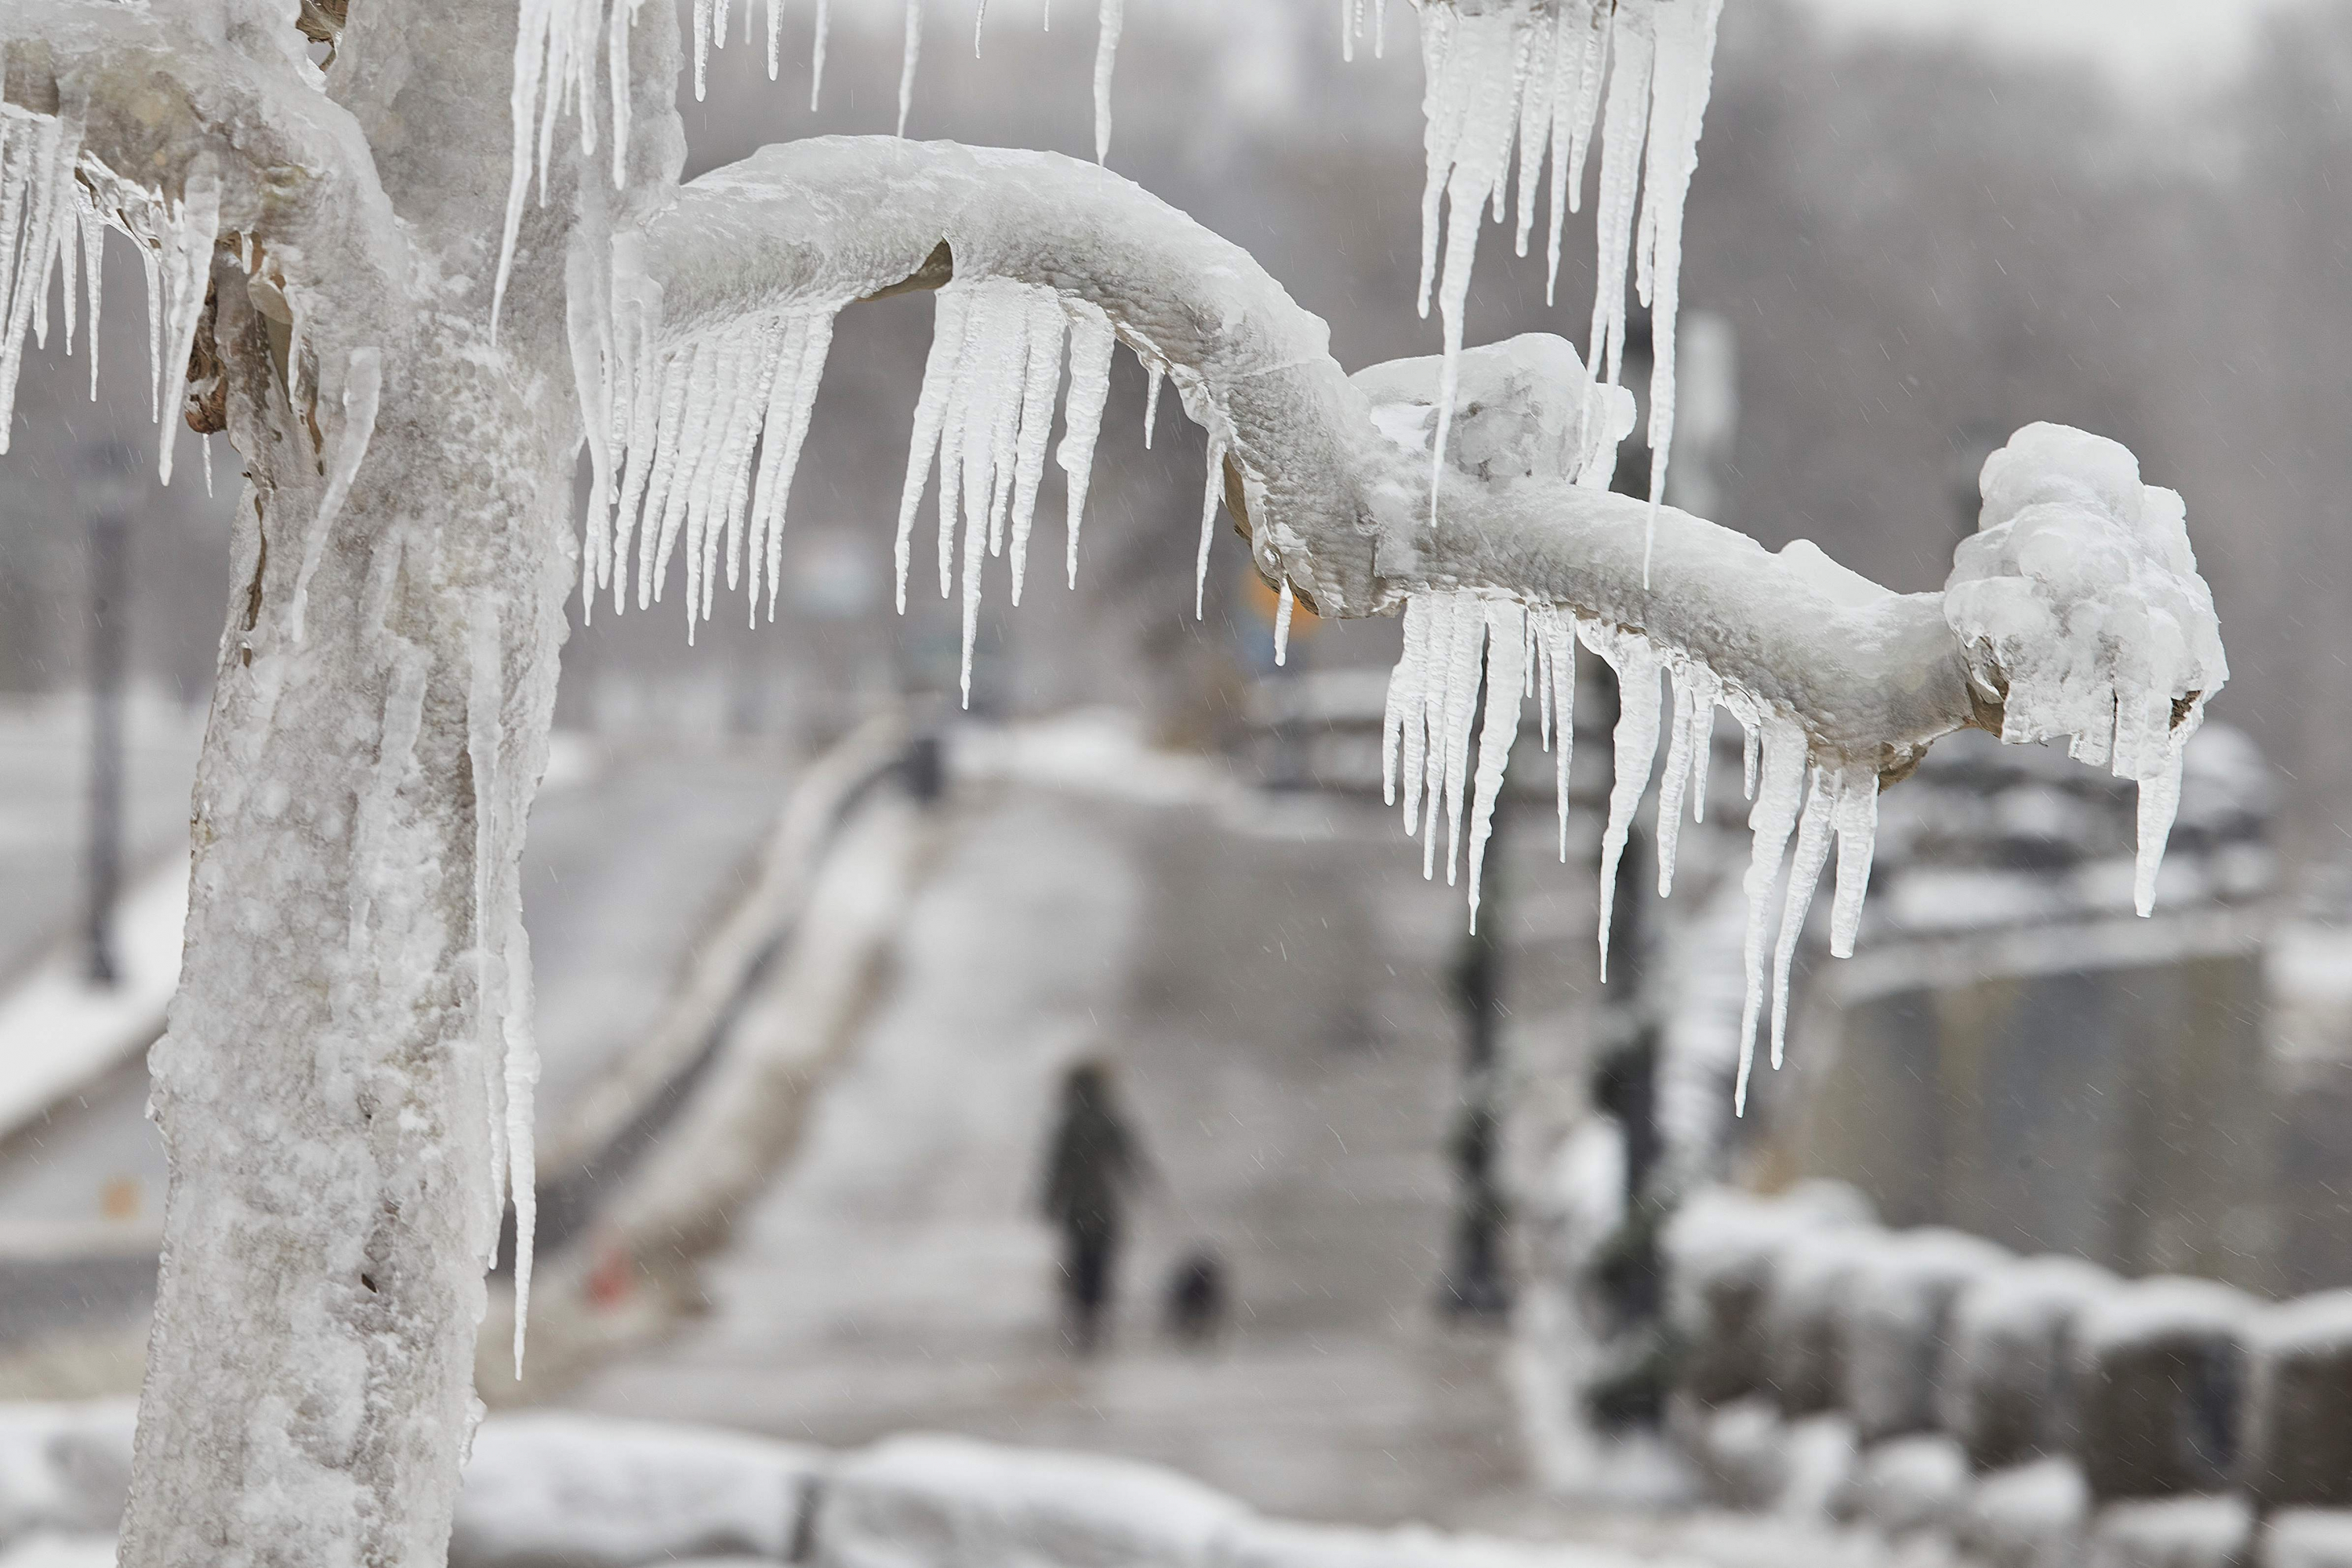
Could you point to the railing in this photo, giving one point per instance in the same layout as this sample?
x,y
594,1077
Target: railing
x,y
2031,1412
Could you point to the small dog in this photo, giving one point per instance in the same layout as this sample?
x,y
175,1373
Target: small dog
x,y
1196,1297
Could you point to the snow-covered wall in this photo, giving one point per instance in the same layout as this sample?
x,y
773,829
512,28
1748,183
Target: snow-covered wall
x,y
556,1488
2029,1411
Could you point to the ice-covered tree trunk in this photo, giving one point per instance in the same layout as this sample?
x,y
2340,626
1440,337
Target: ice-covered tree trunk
x,y
331,1088
334,1087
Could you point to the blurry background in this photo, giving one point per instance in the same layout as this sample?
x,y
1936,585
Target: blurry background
x,y
1909,233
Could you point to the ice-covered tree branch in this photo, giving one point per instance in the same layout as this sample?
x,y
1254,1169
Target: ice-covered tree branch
x,y
1515,559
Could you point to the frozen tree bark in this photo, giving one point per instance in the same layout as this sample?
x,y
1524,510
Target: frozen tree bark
x,y
333,1088
345,1079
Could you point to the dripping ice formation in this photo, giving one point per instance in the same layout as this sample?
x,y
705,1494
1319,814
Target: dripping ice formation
x,y
673,434
1470,660
2080,590
986,414
1528,76
51,210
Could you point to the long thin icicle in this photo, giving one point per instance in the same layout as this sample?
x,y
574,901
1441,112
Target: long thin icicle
x,y
1092,339
1804,877
1637,664
1113,16
1780,787
1857,833
912,56
1507,678
1212,492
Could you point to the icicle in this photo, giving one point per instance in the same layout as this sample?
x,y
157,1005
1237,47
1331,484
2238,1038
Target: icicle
x,y
1710,695
1407,682
816,62
205,445
1213,491
1685,60
154,269
1769,824
522,1059
775,36
93,240
1556,633
1857,833
1049,327
1154,377
1750,742
484,726
914,52
1537,116
978,22
362,387
1092,339
1461,710
2159,802
781,440
1423,696
1282,604
653,459
703,27
1112,17
1624,127
40,207
187,264
69,222
1637,664
1805,877
1507,677
951,324
1677,779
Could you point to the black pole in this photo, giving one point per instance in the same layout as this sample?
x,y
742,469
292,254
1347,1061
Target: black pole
x,y
108,535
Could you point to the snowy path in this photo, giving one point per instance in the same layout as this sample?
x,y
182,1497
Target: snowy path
x,y
893,1278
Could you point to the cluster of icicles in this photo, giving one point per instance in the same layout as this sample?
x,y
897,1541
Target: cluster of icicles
x,y
49,220
698,444
1540,77
672,457
1458,642
710,26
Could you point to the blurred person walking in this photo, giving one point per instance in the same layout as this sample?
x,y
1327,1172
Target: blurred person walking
x,y
1093,1160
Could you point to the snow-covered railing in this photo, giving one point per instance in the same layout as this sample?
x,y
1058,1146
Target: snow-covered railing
x,y
2028,1410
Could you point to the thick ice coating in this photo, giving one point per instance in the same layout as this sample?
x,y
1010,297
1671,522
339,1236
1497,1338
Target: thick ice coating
x,y
2080,607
